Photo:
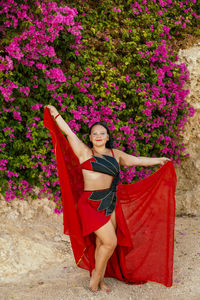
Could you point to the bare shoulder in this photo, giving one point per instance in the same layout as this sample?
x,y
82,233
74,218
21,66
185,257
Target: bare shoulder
x,y
85,154
118,154
125,159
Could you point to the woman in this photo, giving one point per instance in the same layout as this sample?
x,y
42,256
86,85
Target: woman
x,y
98,208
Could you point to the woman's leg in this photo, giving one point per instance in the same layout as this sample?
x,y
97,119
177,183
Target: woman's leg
x,y
113,220
104,287
107,242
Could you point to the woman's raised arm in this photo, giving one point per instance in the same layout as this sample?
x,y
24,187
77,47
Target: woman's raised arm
x,y
130,160
79,148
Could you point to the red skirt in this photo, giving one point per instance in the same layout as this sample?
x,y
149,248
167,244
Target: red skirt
x,y
91,218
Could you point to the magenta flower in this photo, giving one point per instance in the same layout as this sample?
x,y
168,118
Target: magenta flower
x,y
166,29
41,66
2,67
128,78
17,115
107,92
25,90
152,27
56,74
115,9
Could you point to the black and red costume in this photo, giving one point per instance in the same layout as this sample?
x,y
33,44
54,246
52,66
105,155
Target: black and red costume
x,y
145,215
101,203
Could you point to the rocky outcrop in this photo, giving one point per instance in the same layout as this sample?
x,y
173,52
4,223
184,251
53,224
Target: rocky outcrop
x,y
36,260
188,173
31,237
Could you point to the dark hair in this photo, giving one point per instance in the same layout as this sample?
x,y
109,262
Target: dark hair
x,y
109,143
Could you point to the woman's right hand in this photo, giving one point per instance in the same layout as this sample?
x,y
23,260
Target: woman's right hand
x,y
53,110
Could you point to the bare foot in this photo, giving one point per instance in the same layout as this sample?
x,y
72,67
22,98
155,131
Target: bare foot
x,y
105,287
94,282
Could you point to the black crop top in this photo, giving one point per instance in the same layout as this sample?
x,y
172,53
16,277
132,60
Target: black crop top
x,y
107,165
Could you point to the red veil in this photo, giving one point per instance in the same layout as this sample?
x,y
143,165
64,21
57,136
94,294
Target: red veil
x,y
145,214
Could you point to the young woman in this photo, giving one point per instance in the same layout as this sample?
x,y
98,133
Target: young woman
x,y
98,209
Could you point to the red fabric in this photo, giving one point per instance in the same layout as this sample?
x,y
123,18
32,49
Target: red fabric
x,y
87,164
91,219
145,214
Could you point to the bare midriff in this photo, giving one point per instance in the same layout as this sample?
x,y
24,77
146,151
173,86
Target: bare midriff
x,y
96,181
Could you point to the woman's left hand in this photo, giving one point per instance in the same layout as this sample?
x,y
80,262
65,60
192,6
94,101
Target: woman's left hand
x,y
163,160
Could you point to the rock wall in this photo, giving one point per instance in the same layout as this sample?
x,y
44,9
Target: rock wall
x,y
188,173
31,239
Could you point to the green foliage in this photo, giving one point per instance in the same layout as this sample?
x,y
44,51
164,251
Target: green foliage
x,y
113,65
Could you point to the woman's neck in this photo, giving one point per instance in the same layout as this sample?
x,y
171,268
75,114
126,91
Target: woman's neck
x,y
100,150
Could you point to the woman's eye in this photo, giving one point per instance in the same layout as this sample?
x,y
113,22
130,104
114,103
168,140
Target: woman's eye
x,y
101,133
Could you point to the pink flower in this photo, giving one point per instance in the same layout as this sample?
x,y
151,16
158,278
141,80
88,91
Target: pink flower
x,y
166,29
160,12
128,78
17,115
191,111
36,106
149,43
116,9
14,50
56,60
9,63
25,90
56,74
41,66
107,92
147,112
2,67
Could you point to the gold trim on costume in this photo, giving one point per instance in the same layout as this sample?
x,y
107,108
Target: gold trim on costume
x,y
80,258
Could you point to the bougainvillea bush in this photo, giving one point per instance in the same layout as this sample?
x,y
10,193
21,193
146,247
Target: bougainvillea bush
x,y
114,61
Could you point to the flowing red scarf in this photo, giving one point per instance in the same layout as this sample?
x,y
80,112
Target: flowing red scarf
x,y
145,215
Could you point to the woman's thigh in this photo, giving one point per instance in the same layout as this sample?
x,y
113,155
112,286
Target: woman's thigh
x,y
113,219
106,234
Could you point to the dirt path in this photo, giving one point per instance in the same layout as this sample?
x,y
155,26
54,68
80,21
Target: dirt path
x,y
36,263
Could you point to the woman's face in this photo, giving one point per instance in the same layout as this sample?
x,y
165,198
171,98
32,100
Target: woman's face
x,y
99,135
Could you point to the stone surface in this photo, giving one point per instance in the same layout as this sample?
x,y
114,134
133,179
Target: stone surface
x,y
36,262
26,242
188,173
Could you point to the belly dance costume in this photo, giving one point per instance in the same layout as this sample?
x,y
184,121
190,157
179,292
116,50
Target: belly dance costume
x,y
95,207
145,214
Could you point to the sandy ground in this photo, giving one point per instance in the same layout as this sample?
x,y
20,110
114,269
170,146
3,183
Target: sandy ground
x,y
60,279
